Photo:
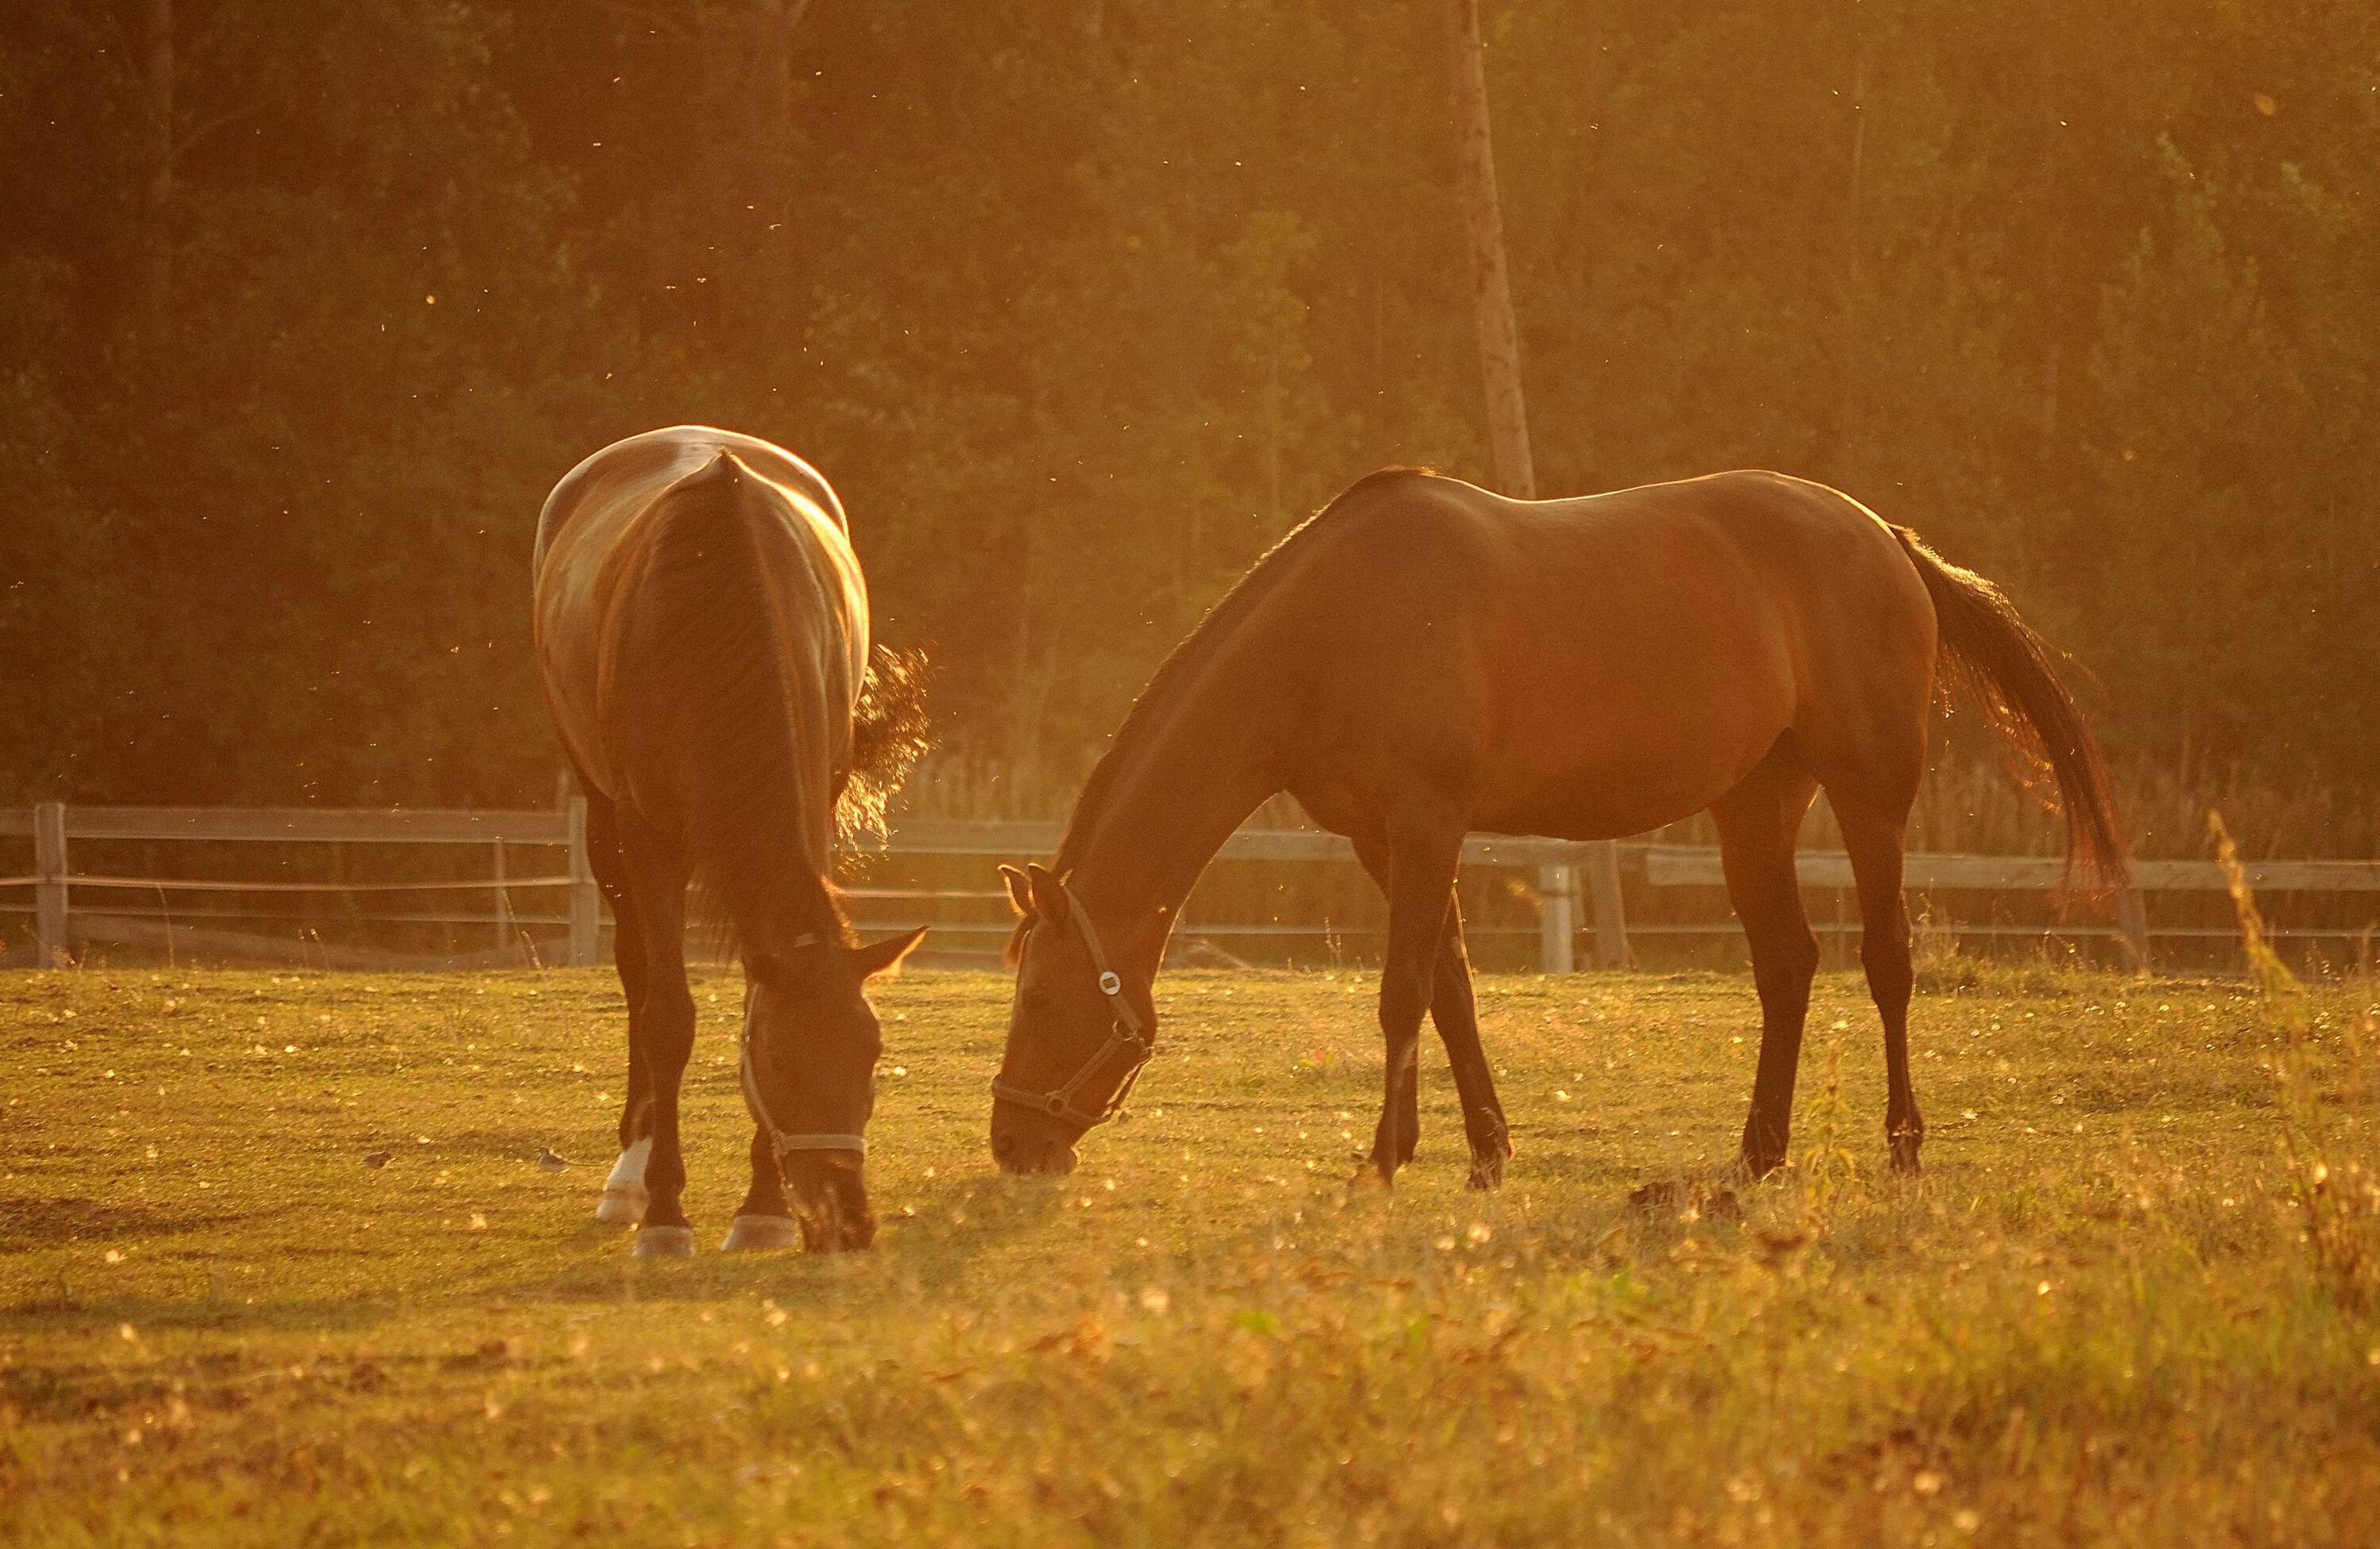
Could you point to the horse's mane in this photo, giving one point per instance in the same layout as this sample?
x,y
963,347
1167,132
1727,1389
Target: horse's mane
x,y
705,640
1158,699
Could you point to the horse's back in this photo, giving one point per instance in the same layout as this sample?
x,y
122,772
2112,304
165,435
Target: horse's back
x,y
1642,649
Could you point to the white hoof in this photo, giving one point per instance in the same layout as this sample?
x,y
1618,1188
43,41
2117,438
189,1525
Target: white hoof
x,y
622,1207
624,1192
665,1242
751,1233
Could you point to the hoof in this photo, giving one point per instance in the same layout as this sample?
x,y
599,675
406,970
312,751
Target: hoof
x,y
1487,1167
753,1233
623,1192
621,1207
665,1242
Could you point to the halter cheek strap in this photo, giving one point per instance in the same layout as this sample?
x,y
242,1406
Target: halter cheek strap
x,y
1127,1034
786,1142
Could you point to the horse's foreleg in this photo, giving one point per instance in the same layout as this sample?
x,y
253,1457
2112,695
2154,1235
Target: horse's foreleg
x,y
1421,888
1758,822
1452,1010
1456,1015
763,1220
664,1023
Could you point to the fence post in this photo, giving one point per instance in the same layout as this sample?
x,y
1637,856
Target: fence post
x,y
582,889
504,912
1557,916
2132,929
50,881
1603,891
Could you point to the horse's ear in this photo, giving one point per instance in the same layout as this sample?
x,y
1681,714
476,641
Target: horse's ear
x,y
1020,889
875,958
1048,894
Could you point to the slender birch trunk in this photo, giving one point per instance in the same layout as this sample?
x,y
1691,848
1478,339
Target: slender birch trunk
x,y
1491,285
157,257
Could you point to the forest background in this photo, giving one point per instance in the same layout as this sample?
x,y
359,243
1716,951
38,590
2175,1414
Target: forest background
x,y
1081,304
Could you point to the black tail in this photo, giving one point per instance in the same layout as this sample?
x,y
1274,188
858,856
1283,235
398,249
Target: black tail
x,y
2011,674
697,657
890,732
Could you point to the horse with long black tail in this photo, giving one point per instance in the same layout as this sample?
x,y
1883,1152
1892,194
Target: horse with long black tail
x,y
702,640
1424,658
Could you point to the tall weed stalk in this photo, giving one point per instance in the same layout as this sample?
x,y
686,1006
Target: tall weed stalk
x,y
1828,1166
2332,1180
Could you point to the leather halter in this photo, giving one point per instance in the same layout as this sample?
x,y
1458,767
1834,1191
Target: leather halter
x,y
785,1142
1126,1035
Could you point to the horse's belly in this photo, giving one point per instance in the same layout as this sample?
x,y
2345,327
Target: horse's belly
x,y
1617,749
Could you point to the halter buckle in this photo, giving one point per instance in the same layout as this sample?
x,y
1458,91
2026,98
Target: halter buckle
x,y
1108,984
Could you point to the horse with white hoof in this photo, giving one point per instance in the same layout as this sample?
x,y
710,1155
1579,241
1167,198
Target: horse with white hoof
x,y
703,642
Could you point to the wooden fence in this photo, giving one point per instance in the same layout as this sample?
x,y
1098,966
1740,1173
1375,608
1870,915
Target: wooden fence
x,y
1577,885
53,825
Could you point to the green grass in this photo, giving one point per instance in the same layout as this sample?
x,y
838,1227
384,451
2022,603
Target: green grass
x,y
2094,1321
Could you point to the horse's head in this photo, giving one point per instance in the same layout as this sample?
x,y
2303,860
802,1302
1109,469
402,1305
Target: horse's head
x,y
810,1046
1077,1034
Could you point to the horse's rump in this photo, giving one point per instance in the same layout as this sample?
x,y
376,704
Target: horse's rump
x,y
703,641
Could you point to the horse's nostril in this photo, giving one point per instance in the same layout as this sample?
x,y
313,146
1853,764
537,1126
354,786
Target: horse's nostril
x,y
1003,1144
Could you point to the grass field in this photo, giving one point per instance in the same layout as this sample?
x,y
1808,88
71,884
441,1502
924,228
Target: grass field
x,y
2096,1320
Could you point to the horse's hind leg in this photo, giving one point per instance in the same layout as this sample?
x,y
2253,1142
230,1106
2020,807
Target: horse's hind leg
x,y
623,1192
1876,834
1759,821
664,1031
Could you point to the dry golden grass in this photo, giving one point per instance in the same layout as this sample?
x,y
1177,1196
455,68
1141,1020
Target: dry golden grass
x,y
2094,1321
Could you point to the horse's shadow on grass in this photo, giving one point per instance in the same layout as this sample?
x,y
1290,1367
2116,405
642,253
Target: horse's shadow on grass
x,y
26,1223
953,1223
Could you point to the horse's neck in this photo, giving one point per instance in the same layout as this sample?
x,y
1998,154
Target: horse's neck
x,y
1172,804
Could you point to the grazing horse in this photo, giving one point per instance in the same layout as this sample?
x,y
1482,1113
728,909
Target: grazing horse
x,y
702,641
1424,658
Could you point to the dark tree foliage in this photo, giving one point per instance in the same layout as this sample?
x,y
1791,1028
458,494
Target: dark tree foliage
x,y
1082,303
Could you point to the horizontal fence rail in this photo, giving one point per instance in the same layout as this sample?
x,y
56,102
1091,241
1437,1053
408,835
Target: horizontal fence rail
x,y
53,825
1578,883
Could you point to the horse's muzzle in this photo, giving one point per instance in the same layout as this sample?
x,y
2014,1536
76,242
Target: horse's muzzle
x,y
830,1203
1030,1144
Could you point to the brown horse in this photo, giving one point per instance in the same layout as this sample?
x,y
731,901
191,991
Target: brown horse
x,y
1424,658
703,642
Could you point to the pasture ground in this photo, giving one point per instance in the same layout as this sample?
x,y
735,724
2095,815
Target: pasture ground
x,y
2094,1321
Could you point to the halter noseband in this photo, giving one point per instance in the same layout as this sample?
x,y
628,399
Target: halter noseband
x,y
784,1142
1126,1033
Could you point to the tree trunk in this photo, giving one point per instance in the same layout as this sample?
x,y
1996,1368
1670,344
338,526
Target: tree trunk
x,y
1491,286
157,257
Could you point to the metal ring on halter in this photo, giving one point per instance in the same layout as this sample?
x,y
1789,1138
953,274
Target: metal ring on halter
x,y
784,1141
1125,1033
